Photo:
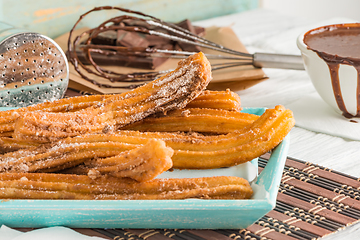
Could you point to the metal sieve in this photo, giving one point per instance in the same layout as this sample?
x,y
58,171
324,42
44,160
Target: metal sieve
x,y
33,68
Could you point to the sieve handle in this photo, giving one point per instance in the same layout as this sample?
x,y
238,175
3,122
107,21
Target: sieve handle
x,y
284,61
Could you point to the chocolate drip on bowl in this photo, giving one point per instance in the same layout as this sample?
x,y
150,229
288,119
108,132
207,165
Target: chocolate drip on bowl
x,y
336,45
334,73
333,63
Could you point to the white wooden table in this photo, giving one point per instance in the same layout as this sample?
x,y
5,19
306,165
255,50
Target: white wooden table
x,y
267,31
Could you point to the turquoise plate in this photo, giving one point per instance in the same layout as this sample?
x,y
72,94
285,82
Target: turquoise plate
x,y
185,214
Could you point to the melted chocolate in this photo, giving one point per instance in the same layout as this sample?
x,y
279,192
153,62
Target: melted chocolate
x,y
338,44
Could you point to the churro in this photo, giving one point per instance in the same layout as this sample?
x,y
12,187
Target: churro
x,y
225,100
9,144
172,91
68,186
203,120
141,164
7,118
220,108
191,151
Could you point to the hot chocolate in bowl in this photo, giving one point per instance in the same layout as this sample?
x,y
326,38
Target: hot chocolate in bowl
x,y
332,59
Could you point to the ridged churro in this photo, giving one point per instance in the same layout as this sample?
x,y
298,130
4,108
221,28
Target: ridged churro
x,y
190,150
186,120
9,144
7,118
225,100
223,116
203,120
69,186
141,164
197,151
172,91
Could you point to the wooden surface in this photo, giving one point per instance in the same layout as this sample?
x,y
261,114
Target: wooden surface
x,y
54,18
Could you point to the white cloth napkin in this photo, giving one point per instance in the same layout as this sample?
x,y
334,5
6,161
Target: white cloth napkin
x,y
53,233
312,113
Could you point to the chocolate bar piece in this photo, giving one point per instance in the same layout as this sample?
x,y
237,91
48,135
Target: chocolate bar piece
x,y
156,40
186,24
126,39
131,39
105,38
120,60
200,31
123,38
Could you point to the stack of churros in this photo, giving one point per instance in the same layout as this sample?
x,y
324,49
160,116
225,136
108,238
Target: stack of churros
x,y
115,146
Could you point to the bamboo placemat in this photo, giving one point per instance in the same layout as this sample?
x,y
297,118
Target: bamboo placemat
x,y
313,201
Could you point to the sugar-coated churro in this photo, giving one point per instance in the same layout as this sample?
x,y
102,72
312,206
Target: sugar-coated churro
x,y
190,150
7,118
203,120
223,116
174,90
69,186
9,144
225,100
141,164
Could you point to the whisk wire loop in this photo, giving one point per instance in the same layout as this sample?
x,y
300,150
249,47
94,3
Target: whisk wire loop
x,y
146,24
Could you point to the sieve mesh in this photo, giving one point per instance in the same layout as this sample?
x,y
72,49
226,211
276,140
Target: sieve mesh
x,y
33,69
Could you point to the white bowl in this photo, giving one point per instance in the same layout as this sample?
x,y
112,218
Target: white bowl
x,y
319,73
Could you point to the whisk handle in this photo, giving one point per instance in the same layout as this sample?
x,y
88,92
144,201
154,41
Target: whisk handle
x,y
284,61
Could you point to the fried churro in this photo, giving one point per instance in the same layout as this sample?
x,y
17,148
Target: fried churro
x,y
9,144
191,151
68,186
141,164
197,151
203,120
172,91
222,100
226,100
7,118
